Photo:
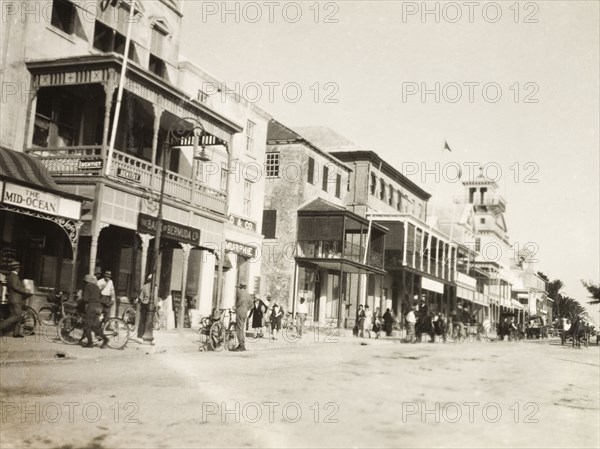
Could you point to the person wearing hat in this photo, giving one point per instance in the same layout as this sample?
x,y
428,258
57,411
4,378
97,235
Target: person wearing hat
x,y
411,321
241,312
142,307
108,296
93,310
17,294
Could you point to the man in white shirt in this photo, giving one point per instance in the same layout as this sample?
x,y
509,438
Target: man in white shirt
x,y
107,296
301,314
411,319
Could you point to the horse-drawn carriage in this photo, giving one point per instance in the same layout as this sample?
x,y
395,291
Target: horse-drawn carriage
x,y
507,327
536,328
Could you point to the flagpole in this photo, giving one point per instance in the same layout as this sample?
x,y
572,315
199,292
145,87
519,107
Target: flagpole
x,y
113,135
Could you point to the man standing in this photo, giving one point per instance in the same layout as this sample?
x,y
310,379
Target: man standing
x,y
17,294
93,309
108,296
411,319
142,309
241,311
301,314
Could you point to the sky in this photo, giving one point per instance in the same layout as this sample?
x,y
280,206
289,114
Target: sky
x,y
512,87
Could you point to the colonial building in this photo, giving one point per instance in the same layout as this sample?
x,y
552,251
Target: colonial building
x,y
528,288
69,63
314,248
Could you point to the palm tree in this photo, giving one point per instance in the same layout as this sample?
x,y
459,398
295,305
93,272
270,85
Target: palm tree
x,y
594,290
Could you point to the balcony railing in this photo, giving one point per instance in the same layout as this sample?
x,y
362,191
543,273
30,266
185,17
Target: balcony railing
x,y
77,163
331,249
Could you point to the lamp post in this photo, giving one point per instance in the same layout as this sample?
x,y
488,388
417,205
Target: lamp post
x,y
181,133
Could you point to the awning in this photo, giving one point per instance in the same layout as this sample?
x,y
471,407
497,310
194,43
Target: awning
x,y
28,171
517,305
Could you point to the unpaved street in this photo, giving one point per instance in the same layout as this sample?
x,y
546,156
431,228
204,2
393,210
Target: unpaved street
x,y
337,394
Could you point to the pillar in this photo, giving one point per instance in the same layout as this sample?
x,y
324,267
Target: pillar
x,y
96,230
206,283
156,127
229,281
186,255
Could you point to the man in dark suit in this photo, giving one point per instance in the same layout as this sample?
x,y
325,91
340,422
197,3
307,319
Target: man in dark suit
x,y
241,310
16,299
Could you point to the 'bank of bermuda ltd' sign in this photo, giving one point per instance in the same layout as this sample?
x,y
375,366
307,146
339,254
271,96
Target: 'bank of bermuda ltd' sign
x,y
46,203
170,230
241,249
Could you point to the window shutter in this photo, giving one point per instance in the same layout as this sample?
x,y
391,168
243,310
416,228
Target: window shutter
x,y
269,224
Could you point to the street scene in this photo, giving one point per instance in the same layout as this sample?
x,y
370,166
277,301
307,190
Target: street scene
x,y
299,224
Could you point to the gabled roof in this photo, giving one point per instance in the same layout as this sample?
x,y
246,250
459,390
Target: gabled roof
x,y
326,138
321,205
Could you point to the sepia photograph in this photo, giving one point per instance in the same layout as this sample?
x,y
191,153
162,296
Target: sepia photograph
x,y
299,224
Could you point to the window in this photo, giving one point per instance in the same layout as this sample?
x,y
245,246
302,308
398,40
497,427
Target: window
x,y
247,196
158,66
108,40
399,204
325,177
250,136
63,15
269,224
382,190
224,173
311,170
157,40
373,183
482,220
348,184
202,96
272,165
338,185
477,244
391,196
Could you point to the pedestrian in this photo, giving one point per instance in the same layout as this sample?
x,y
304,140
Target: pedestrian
x,y
388,322
360,319
241,312
301,315
368,321
377,322
17,294
91,298
411,320
142,309
257,314
107,295
276,316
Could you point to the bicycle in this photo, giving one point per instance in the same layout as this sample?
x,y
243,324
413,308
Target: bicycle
x,y
130,313
52,313
221,335
289,323
29,321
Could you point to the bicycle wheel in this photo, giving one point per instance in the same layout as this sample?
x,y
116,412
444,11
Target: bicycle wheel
x,y
216,336
129,317
28,321
47,315
117,332
70,329
231,339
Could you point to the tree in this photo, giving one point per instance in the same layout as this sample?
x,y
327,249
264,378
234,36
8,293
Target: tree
x,y
594,290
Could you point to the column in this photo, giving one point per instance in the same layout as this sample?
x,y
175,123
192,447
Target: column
x,y
97,228
156,127
229,281
206,283
145,238
404,249
362,286
186,255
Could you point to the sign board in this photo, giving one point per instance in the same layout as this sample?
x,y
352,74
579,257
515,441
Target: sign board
x,y
170,230
89,164
129,175
242,223
46,203
241,249
431,285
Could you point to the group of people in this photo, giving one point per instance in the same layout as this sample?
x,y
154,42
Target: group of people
x,y
375,322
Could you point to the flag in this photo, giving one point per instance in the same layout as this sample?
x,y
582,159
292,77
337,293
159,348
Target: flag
x,y
446,146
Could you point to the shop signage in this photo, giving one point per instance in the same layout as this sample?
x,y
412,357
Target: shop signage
x,y
89,164
241,249
129,175
246,224
431,285
30,199
170,230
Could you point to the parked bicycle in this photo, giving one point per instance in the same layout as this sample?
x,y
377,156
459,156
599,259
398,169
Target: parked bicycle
x,y
130,313
51,313
29,320
219,333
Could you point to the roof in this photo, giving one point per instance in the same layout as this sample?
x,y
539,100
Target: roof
x,y
321,205
326,138
278,133
27,170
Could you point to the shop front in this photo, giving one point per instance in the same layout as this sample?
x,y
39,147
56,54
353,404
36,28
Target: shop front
x,y
39,225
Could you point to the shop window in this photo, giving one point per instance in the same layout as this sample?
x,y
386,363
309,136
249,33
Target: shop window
x,y
158,66
63,16
325,177
269,224
272,165
338,186
311,171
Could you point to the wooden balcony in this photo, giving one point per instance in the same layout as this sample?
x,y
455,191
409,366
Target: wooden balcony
x,y
322,249
85,163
